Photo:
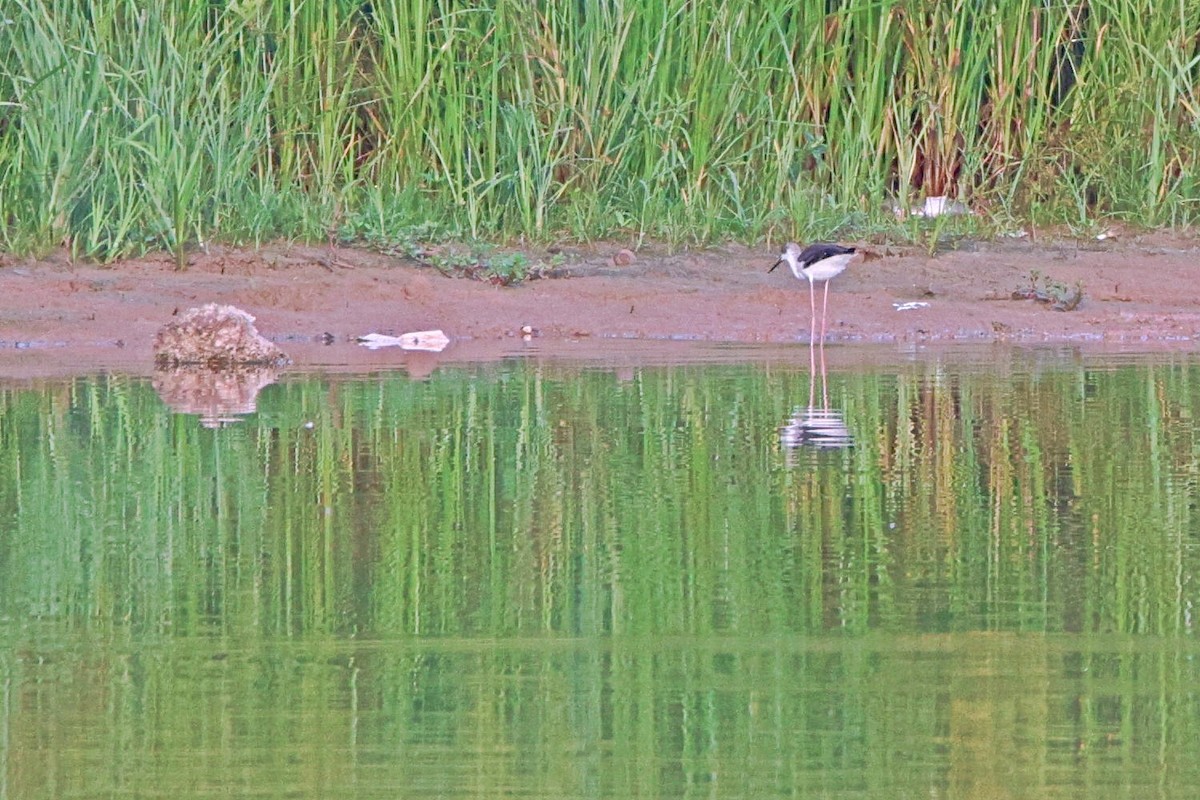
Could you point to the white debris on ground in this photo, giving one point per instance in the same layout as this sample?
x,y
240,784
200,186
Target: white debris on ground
x,y
431,341
940,206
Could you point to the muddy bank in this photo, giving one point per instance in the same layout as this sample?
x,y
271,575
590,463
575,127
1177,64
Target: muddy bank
x,y
313,301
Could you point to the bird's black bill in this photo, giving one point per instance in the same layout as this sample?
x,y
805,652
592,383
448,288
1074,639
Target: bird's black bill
x,y
776,264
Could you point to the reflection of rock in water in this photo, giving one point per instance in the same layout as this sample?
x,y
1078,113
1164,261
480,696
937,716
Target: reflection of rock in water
x,y
218,397
214,336
817,428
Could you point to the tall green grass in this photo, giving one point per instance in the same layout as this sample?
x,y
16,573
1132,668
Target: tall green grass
x,y
126,127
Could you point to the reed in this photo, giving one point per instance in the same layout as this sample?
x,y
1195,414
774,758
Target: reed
x,y
129,128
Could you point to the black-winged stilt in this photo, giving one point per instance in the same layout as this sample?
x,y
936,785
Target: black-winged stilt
x,y
817,262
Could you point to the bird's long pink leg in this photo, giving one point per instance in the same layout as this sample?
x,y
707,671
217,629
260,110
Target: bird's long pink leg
x,y
812,372
824,379
824,312
812,304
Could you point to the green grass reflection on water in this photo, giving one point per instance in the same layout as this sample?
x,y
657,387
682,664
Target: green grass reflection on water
x,y
537,580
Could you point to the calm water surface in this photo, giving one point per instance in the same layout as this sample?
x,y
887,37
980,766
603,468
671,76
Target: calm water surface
x,y
537,580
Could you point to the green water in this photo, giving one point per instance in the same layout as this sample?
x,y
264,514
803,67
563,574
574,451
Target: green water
x,y
540,580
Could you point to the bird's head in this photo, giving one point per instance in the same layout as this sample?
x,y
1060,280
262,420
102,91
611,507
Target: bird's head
x,y
790,254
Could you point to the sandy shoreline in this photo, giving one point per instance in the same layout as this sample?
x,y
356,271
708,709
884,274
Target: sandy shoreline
x,y
57,317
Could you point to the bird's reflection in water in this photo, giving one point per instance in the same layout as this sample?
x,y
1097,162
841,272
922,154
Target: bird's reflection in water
x,y
815,426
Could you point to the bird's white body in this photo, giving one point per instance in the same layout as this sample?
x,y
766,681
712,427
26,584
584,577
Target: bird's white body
x,y
822,270
812,264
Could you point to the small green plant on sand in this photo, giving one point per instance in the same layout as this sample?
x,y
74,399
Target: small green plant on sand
x,y
431,248
1044,289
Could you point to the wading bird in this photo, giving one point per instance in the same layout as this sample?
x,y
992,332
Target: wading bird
x,y
817,262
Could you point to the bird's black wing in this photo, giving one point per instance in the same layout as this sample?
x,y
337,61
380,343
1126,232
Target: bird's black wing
x,y
821,251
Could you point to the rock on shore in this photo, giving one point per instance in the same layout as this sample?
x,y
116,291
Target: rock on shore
x,y
217,337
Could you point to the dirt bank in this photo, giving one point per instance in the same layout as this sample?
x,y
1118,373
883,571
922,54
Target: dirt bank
x,y
55,315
